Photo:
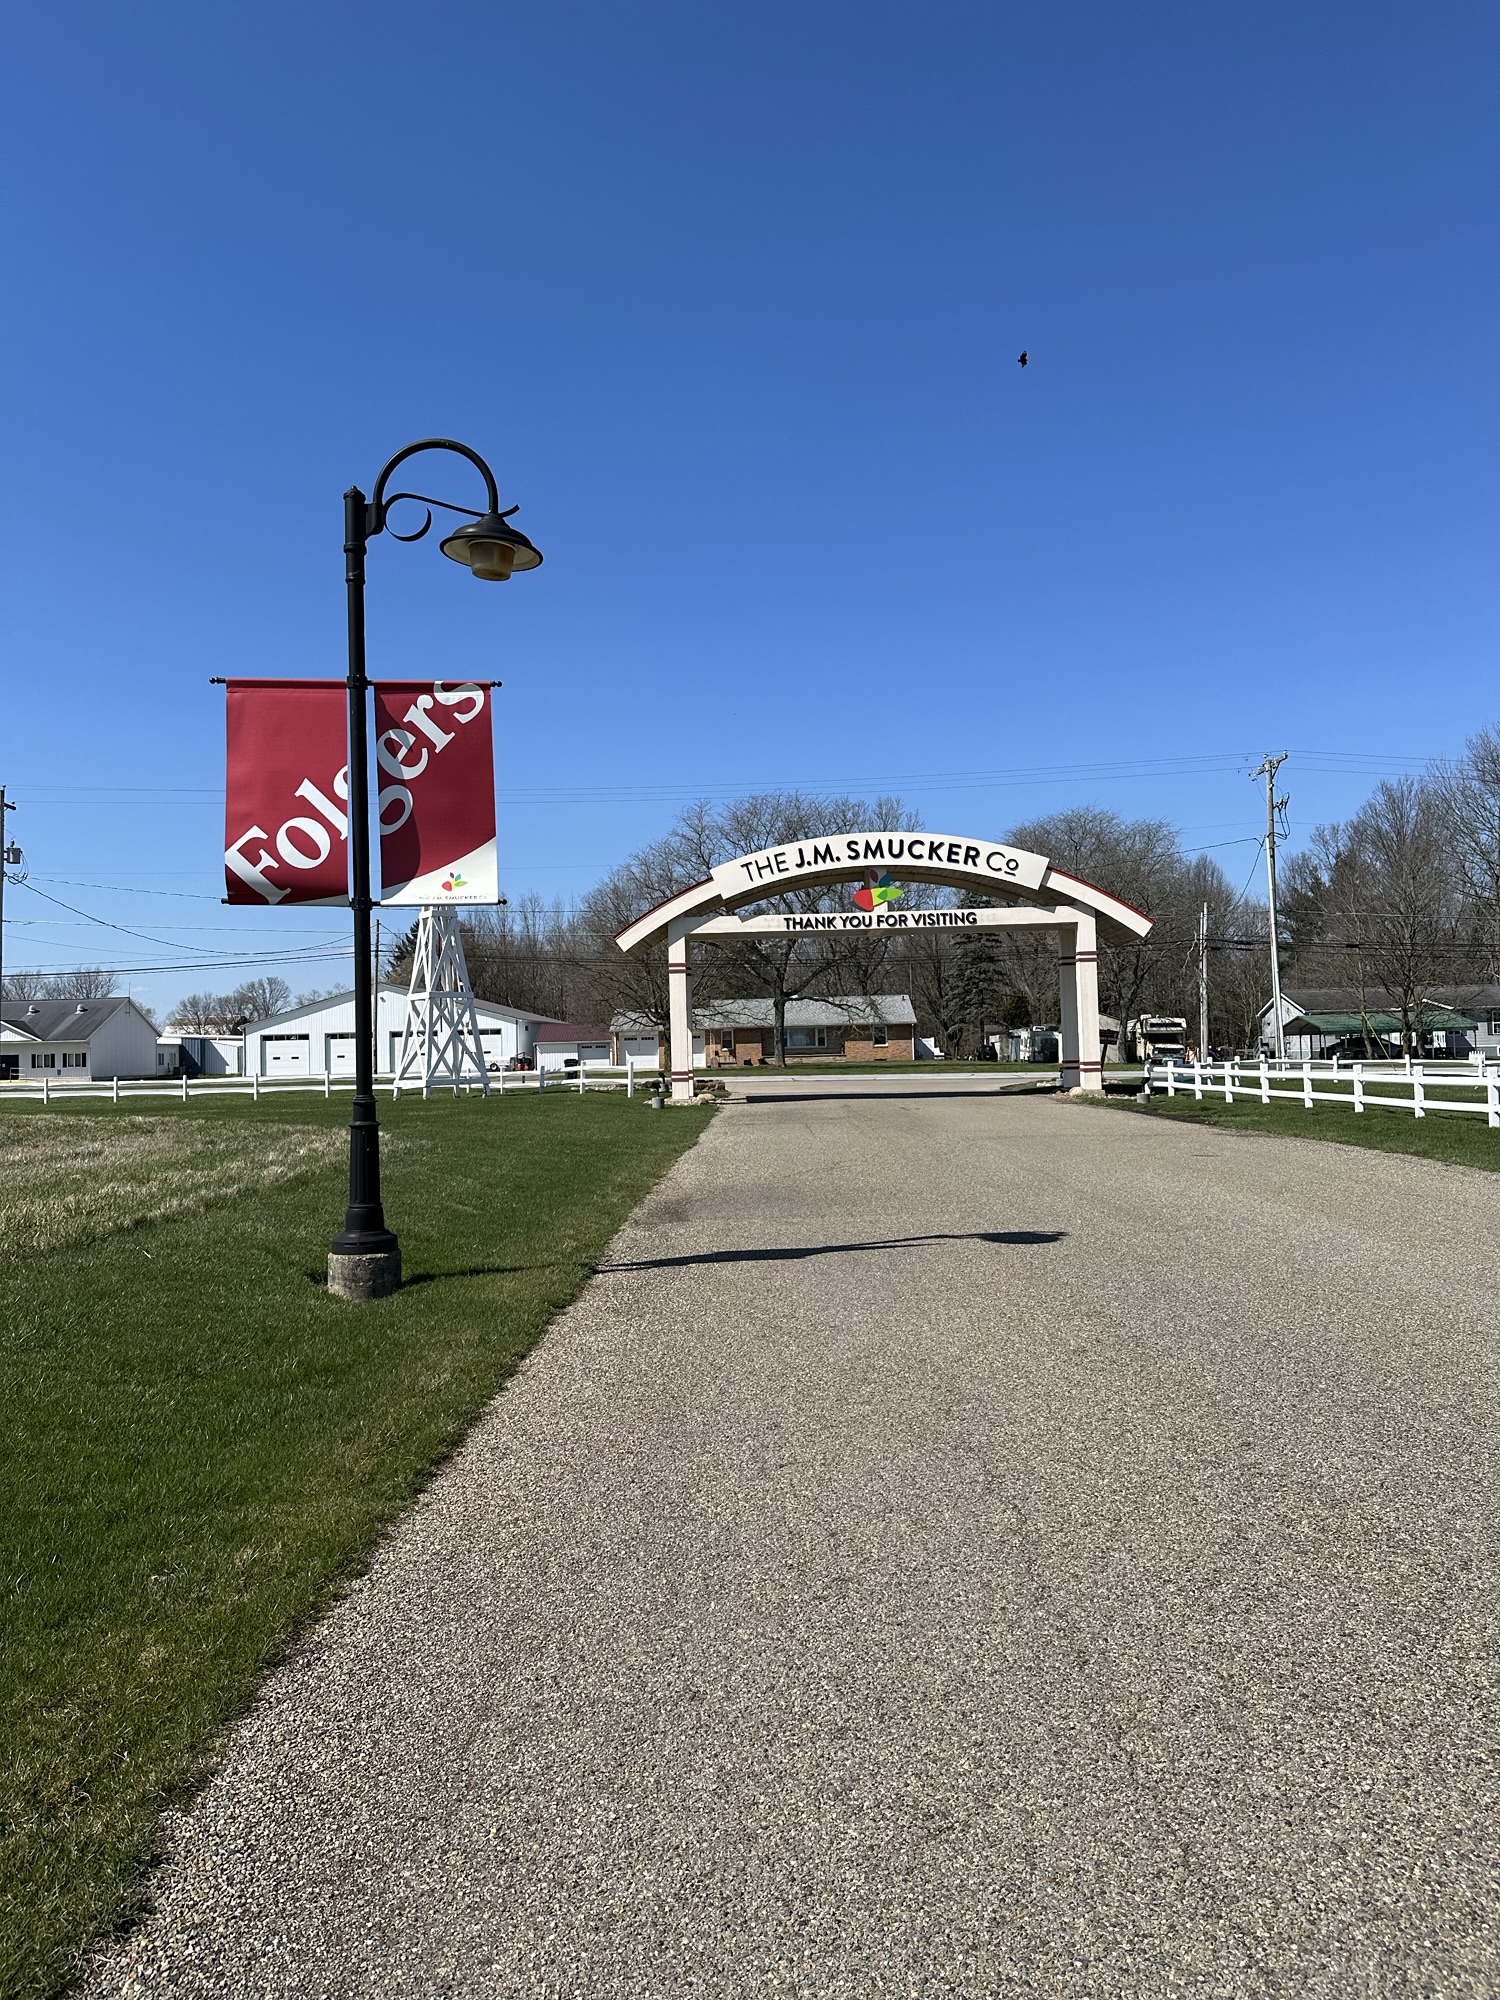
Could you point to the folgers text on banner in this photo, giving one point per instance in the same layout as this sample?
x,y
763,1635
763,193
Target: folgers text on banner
x,y
286,821
435,778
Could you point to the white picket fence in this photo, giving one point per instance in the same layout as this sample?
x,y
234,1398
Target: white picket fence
x,y
504,1083
1415,1087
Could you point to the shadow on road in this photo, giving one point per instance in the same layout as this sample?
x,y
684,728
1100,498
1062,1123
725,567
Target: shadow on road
x,y
792,1252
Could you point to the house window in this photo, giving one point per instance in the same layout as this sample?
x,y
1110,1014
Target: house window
x,y
78,1061
879,1036
48,1061
807,1038
726,1040
1492,1024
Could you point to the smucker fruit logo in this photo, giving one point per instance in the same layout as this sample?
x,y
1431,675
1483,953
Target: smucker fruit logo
x,y
876,889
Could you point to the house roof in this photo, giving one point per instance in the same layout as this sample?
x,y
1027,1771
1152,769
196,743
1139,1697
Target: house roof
x,y
1308,1001
1377,1023
836,1011
61,1020
571,1031
329,1000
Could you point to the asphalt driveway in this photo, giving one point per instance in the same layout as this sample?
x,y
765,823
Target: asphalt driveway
x,y
966,1546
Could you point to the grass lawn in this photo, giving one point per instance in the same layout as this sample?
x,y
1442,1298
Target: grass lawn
x,y
200,1443
1466,1139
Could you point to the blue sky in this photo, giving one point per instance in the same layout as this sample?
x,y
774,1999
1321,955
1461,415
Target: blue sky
x,y
731,298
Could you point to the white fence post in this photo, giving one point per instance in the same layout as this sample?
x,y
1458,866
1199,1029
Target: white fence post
x,y
1307,1096
46,1093
255,1085
1197,1079
1492,1099
541,1076
184,1086
630,1076
1418,1095
1359,1086
1230,1071
327,1084
115,1089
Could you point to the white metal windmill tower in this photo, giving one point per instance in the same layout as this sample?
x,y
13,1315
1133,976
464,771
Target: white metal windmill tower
x,y
440,1037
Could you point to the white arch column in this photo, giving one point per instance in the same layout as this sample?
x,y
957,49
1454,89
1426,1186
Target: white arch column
x,y
1078,980
680,1006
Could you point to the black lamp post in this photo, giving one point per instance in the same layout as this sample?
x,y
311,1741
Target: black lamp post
x,y
364,1261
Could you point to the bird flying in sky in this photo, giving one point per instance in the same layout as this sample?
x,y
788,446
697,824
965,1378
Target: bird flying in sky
x,y
1023,357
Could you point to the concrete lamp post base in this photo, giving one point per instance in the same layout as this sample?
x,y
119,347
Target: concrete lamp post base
x,y
362,1277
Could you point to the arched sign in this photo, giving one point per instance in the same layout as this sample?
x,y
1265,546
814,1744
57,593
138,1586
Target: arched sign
x,y
927,857
1045,897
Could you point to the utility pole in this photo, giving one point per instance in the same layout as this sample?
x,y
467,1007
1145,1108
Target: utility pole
x,y
10,857
1268,771
1203,985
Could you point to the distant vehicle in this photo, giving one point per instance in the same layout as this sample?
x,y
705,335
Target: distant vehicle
x,y
1352,1049
1159,1036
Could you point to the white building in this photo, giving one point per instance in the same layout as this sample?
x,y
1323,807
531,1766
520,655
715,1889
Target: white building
x,y
318,1039
567,1044
74,1041
1457,1021
199,1055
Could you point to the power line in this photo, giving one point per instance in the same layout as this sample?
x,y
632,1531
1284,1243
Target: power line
x,y
201,964
168,944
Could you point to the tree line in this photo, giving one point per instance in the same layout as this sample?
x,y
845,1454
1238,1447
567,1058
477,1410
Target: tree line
x,y
1397,902
564,962
1401,899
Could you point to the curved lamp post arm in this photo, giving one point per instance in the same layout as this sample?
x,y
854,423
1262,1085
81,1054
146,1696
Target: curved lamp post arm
x,y
379,504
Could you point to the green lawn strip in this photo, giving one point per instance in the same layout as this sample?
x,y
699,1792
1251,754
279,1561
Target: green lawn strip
x,y
200,1444
1466,1140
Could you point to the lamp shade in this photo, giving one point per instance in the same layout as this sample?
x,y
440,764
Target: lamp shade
x,y
491,548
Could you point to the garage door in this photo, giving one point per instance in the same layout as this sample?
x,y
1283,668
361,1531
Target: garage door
x,y
341,1055
493,1044
285,1055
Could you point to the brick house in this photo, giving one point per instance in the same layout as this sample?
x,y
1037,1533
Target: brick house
x,y
733,1034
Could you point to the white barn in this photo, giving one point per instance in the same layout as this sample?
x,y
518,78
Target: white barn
x,y
75,1041
318,1039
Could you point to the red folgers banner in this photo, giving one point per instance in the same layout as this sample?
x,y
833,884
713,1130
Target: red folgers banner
x,y
286,827
435,771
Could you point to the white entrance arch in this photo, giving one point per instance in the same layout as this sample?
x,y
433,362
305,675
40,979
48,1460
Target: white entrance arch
x,y
1048,898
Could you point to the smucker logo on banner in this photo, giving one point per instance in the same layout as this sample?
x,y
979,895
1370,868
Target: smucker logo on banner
x,y
286,836
435,769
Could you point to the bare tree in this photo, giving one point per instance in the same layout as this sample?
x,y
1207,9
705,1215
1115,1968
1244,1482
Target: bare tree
x,y
529,955
783,967
1383,894
1466,797
24,986
225,1013
259,999
197,1014
1141,862
778,967
85,982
